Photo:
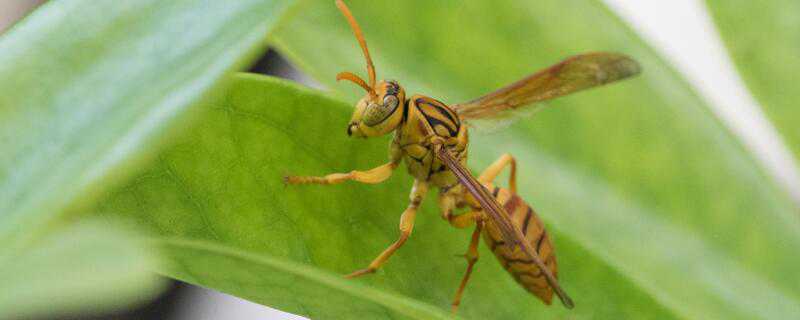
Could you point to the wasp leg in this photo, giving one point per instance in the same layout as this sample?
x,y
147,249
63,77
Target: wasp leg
x,y
493,170
372,176
472,257
406,225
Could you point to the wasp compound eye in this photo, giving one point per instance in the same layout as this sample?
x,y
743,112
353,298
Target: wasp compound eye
x,y
377,113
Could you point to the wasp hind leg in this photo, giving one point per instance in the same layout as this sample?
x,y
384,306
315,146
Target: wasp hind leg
x,y
488,175
406,226
372,176
472,258
464,220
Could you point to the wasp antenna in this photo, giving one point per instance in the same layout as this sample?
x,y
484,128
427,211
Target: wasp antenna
x,y
355,79
360,37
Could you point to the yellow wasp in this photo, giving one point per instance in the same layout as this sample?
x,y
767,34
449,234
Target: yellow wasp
x,y
431,138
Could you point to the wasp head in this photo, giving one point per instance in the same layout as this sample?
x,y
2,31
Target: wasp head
x,y
379,112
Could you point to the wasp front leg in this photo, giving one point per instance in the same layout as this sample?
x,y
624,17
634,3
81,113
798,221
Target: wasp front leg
x,y
372,176
406,226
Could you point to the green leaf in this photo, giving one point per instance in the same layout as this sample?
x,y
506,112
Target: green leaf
x,y
763,38
88,267
88,90
639,174
295,284
222,186
92,88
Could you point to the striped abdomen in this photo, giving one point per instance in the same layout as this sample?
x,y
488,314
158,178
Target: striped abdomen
x,y
516,262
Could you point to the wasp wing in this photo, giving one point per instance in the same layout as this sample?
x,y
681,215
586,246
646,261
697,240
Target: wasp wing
x,y
511,234
571,75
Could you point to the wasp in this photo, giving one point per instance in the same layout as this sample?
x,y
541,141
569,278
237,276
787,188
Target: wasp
x,y
431,138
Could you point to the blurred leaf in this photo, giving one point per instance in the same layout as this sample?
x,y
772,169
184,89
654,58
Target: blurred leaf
x,y
640,174
89,267
222,185
90,88
299,285
764,39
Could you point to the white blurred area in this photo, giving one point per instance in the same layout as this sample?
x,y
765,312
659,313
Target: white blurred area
x,y
205,304
681,30
685,34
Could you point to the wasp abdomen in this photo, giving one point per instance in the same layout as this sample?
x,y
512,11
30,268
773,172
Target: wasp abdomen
x,y
524,271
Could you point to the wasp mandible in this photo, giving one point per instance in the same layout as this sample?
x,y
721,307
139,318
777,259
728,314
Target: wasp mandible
x,y
431,138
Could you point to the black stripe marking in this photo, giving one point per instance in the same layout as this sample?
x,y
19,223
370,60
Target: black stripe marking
x,y
495,192
446,113
405,110
539,242
496,244
433,122
533,275
420,160
439,107
445,189
527,220
523,261
392,88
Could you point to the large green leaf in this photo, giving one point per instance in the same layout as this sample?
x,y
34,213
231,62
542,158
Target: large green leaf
x,y
89,267
91,87
221,186
764,39
298,287
640,174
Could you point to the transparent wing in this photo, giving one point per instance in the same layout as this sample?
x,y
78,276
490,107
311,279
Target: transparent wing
x,y
571,75
511,234
503,119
